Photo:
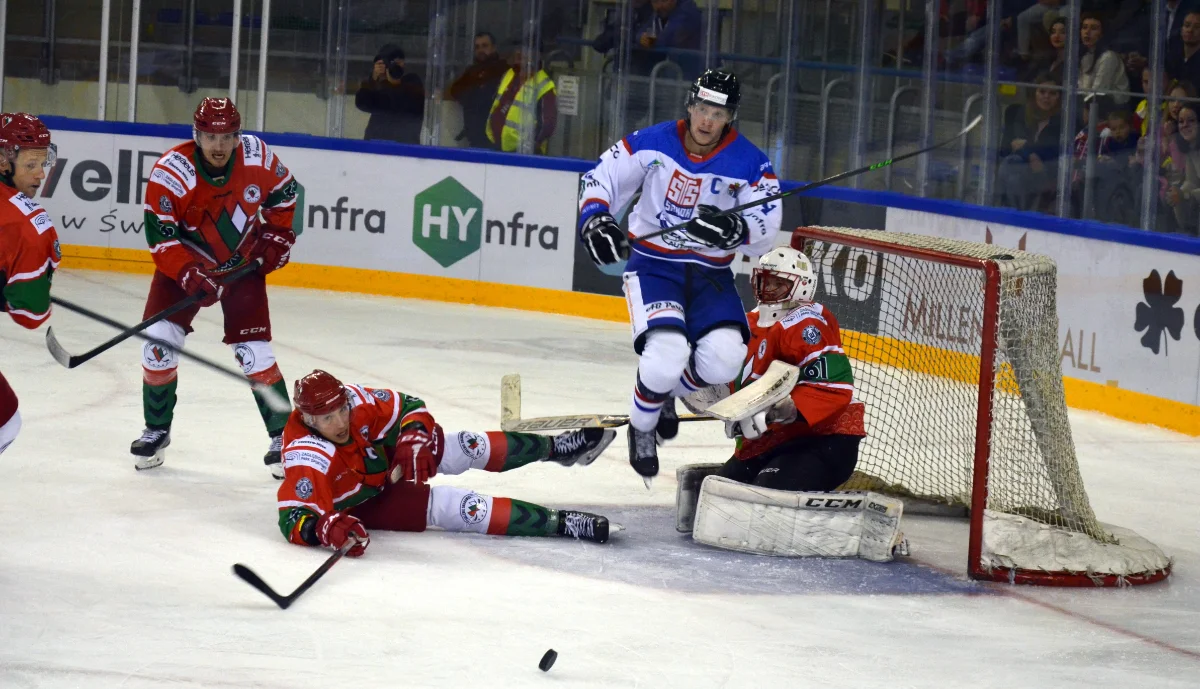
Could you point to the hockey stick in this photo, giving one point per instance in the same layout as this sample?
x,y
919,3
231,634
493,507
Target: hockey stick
x,y
247,575
511,421
272,399
63,357
820,183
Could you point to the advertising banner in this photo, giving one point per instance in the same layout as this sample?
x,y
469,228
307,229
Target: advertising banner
x,y
1129,316
473,221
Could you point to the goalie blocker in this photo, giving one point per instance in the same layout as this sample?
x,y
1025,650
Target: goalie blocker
x,y
751,519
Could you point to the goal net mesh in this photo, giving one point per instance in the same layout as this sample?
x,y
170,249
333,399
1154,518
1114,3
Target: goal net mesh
x,y
914,327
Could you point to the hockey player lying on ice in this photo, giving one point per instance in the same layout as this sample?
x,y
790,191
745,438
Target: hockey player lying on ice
x,y
358,458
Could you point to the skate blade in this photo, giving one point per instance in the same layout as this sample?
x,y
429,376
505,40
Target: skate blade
x,y
143,463
648,480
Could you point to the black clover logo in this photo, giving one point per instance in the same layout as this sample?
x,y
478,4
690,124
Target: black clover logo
x,y
1159,312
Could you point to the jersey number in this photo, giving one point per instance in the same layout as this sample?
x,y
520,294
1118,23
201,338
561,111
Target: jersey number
x,y
817,370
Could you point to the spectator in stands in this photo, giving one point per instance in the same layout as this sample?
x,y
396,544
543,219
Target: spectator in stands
x,y
1176,11
1028,22
610,37
1140,121
475,90
1100,69
1049,57
395,98
1183,53
1184,197
1029,149
522,102
1115,184
1170,170
674,24
1133,22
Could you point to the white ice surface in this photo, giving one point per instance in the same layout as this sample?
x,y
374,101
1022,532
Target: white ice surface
x,y
115,578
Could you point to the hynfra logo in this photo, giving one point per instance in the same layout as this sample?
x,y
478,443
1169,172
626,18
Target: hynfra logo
x,y
447,222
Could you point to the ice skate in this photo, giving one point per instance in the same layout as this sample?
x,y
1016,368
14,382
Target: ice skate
x,y
581,446
643,453
583,526
149,450
274,457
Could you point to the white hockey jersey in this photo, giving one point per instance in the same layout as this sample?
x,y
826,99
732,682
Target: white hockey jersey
x,y
674,183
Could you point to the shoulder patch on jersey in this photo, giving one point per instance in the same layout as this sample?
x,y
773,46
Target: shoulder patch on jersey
x,y
252,150
802,312
280,170
24,203
56,250
42,222
307,458
304,488
811,335
382,395
182,167
312,442
169,181
165,205
762,348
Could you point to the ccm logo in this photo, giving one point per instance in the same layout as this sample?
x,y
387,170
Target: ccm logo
x,y
251,331
833,503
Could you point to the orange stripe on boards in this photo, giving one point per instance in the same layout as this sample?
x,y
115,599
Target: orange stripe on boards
x,y
498,453
501,512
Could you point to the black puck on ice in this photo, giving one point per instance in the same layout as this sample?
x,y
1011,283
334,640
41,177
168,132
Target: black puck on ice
x,y
548,660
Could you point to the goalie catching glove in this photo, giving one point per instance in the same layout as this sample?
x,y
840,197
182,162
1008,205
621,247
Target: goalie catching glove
x,y
605,241
756,424
719,231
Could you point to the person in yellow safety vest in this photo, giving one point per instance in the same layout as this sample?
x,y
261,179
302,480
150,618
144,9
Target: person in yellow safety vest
x,y
518,98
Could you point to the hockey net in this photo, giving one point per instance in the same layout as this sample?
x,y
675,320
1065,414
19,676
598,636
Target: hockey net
x,y
955,350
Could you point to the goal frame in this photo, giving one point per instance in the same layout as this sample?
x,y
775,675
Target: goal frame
x,y
983,428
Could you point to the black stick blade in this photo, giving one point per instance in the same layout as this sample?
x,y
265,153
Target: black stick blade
x,y
247,575
56,350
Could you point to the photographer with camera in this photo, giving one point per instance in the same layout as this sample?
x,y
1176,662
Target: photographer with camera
x,y
395,98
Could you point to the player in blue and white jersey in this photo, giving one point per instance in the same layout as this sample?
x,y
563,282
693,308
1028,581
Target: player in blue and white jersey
x,y
688,323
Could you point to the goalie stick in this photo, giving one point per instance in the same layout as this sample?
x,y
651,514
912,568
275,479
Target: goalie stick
x,y
822,182
511,421
775,384
72,360
272,399
247,575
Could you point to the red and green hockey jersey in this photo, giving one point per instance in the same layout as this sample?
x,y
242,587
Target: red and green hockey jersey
x,y
808,337
29,255
321,476
192,217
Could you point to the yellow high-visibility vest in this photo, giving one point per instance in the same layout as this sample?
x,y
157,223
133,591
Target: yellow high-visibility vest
x,y
524,105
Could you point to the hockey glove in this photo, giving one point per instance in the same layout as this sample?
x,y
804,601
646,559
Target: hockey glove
x,y
418,455
335,528
605,241
274,247
197,281
719,231
754,426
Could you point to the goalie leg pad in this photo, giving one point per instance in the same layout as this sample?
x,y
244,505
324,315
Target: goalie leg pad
x,y
687,492
751,519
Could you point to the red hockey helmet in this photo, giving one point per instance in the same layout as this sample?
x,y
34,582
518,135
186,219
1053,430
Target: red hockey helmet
x,y
318,393
20,131
217,116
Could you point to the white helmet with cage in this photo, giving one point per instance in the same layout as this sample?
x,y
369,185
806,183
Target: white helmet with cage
x,y
783,280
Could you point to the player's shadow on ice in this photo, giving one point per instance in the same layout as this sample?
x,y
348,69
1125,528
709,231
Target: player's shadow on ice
x,y
649,552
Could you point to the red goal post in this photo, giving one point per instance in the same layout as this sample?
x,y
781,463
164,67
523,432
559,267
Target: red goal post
x,y
955,352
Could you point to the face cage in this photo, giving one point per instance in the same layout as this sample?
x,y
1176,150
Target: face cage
x,y
773,286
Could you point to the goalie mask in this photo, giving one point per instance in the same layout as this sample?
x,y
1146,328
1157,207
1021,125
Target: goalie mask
x,y
783,280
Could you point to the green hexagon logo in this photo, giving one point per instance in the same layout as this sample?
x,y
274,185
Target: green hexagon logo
x,y
447,222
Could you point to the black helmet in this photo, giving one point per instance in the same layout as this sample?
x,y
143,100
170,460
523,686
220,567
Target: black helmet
x,y
716,87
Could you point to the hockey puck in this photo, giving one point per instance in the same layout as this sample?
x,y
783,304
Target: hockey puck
x,y
548,660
